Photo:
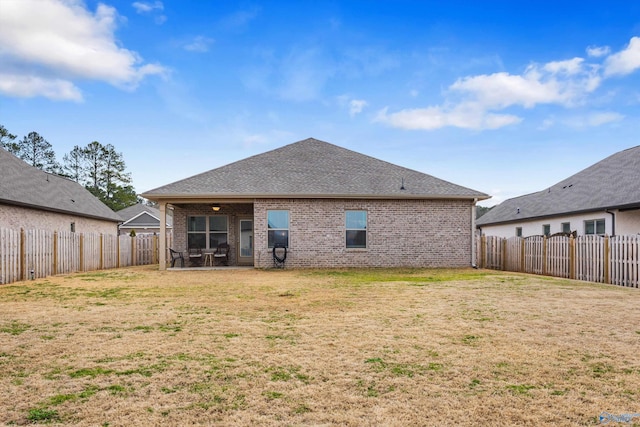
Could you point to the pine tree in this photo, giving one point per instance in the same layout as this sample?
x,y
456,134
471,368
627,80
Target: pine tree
x,y
7,141
38,152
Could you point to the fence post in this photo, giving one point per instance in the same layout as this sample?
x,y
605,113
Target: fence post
x,y
117,250
55,253
81,251
545,242
133,250
503,244
155,252
101,262
605,260
522,254
483,251
572,257
23,256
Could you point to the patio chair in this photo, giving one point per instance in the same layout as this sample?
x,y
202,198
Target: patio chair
x,y
222,253
195,257
175,255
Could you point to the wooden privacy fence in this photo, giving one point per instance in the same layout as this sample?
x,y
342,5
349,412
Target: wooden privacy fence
x,y
614,260
30,254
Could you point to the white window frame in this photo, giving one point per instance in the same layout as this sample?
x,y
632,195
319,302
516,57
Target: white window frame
x,y
595,227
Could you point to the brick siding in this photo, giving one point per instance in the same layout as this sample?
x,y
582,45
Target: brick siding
x,y
400,233
17,217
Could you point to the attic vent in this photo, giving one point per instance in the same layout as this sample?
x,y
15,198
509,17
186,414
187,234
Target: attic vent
x,y
402,184
567,186
518,210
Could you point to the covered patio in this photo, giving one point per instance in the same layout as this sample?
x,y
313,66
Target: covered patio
x,y
202,227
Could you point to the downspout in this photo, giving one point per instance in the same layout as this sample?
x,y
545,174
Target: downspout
x,y
613,221
473,234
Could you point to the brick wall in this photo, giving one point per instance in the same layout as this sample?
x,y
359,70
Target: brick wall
x,y
412,233
17,217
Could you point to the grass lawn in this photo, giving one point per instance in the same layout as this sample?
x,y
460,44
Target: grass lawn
x,y
138,346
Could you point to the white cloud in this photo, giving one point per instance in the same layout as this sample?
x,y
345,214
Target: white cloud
x,y
626,61
593,120
477,102
465,116
300,75
501,90
199,44
598,51
23,86
240,19
50,43
146,7
570,66
356,106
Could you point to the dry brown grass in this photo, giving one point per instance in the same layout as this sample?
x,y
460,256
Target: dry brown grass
x,y
351,347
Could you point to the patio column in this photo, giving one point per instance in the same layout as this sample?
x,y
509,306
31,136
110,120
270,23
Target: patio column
x,y
162,249
474,261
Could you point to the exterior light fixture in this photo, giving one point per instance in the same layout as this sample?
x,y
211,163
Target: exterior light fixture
x,y
215,208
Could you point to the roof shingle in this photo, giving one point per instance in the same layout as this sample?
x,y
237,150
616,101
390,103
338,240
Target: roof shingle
x,y
609,184
313,168
24,185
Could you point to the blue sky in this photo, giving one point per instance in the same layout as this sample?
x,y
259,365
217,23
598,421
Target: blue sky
x,y
500,96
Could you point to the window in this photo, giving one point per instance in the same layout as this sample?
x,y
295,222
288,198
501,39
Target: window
x,y
518,231
546,229
207,232
566,227
278,228
218,230
594,226
73,227
356,227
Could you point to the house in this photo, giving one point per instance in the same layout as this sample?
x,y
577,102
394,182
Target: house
x,y
601,199
142,219
33,199
329,206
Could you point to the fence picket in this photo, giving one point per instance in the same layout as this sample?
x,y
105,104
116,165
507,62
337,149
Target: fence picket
x,y
589,258
97,251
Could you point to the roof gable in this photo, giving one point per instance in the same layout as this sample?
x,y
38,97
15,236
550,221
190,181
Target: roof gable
x,y
313,168
142,215
24,185
609,184
143,219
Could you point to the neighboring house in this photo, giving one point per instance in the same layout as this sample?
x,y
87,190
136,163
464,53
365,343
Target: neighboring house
x,y
33,199
331,207
142,219
601,199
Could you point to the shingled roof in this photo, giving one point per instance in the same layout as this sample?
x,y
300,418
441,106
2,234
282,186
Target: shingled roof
x,y
24,185
612,183
313,169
